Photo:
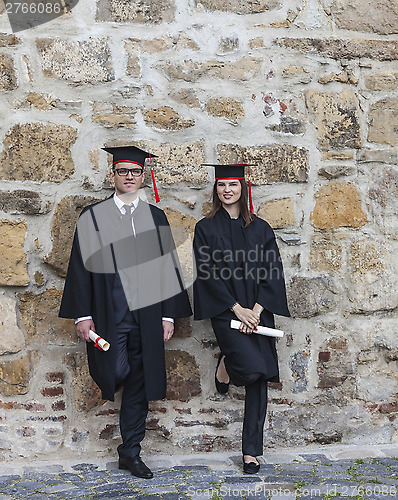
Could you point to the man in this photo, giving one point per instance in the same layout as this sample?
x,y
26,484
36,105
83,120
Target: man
x,y
124,283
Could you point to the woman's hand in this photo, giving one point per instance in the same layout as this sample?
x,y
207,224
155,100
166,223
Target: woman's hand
x,y
248,317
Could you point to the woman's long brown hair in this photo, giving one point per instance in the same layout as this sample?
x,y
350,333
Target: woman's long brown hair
x,y
243,203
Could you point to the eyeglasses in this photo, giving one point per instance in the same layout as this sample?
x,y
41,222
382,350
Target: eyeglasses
x,y
123,172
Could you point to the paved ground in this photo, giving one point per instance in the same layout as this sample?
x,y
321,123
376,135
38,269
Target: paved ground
x,y
316,473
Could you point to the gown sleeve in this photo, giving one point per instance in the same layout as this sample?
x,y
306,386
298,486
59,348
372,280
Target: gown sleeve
x,y
211,295
271,287
77,296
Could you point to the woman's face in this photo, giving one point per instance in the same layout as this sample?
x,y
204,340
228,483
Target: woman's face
x,y
229,191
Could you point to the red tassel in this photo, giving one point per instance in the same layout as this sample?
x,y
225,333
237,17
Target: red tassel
x,y
250,193
153,181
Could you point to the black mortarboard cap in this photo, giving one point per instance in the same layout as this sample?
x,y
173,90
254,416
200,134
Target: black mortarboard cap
x,y
229,171
233,171
130,154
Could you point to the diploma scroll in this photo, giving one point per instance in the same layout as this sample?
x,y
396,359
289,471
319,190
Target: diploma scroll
x,y
261,330
102,344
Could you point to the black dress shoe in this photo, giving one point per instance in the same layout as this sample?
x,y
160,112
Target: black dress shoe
x,y
136,466
221,387
250,467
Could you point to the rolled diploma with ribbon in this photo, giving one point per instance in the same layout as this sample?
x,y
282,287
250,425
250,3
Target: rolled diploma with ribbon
x,y
102,344
261,330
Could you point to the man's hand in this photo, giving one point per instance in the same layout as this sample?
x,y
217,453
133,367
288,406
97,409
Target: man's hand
x,y
83,328
249,318
168,330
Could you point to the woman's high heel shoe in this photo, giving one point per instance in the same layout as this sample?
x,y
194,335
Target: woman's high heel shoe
x,y
250,467
221,387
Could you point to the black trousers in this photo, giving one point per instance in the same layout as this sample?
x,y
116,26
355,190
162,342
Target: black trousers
x,y
256,399
247,365
130,373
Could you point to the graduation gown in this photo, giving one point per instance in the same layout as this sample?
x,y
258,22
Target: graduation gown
x,y
150,264
241,264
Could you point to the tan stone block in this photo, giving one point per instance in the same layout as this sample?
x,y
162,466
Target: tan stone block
x,y
86,394
41,101
384,187
297,73
382,81
40,280
373,272
8,40
12,339
13,259
337,155
278,213
228,107
206,208
94,156
183,377
377,156
256,43
335,171
23,202
62,231
111,115
166,118
156,45
338,205
343,77
8,80
39,313
239,7
178,42
369,17
288,125
183,227
336,118
37,152
383,197
382,50
177,162
132,47
228,45
15,375
365,257
182,221
325,255
88,61
191,71
383,122
310,296
276,162
187,97
125,11
186,42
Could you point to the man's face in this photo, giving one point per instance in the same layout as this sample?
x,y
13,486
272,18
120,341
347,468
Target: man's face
x,y
128,184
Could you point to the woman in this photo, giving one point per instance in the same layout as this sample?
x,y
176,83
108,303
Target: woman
x,y
240,276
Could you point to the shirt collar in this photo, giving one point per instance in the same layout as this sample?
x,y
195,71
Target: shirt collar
x,y
120,204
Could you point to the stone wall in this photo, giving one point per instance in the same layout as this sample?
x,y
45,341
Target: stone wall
x,y
305,89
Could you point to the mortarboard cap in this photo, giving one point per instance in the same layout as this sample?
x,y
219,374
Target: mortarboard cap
x,y
132,154
234,171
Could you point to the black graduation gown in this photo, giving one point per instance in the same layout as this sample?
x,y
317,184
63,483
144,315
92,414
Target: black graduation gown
x,y
89,283
241,264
